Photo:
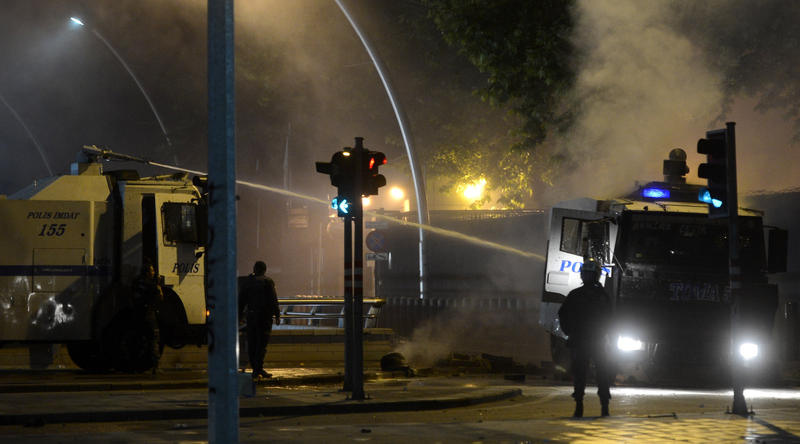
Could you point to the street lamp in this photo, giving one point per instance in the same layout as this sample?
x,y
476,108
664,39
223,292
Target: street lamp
x,y
405,131
397,193
78,22
474,191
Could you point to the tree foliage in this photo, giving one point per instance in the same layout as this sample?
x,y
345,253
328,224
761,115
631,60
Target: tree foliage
x,y
512,175
459,137
756,46
524,47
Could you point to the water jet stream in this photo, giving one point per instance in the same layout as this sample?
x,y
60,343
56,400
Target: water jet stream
x,y
430,228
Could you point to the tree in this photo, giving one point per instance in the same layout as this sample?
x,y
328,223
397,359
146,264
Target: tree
x,y
553,63
460,138
758,56
524,48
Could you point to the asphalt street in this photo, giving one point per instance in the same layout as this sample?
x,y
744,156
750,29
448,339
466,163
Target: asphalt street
x,y
303,406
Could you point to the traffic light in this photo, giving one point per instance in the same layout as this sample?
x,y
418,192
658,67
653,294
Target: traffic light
x,y
370,179
342,206
348,174
715,170
341,170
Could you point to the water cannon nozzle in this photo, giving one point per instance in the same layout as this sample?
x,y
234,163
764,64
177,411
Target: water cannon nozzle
x,y
675,168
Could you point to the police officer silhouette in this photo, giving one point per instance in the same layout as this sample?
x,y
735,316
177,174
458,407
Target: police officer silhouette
x,y
584,318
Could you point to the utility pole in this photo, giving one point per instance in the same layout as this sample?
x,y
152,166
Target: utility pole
x,y
223,365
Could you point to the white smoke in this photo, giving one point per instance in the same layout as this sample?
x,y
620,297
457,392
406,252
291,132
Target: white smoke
x,y
642,88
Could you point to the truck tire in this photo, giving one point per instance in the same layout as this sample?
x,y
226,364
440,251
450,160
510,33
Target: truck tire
x,y
130,342
172,321
89,356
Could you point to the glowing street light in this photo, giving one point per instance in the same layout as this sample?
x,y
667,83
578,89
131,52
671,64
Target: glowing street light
x,y
474,191
397,193
79,22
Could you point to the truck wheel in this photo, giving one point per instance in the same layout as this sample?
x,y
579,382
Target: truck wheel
x,y
172,321
89,356
130,342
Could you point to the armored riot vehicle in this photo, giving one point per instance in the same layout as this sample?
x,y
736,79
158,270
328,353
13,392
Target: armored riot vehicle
x,y
666,272
73,244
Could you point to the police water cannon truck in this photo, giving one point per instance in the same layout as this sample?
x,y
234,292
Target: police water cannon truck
x,y
72,246
665,268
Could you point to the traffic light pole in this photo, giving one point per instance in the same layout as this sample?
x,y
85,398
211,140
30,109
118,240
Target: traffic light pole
x,y
354,172
739,404
348,304
357,357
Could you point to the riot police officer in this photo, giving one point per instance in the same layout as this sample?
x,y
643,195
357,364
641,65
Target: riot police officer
x,y
584,317
259,303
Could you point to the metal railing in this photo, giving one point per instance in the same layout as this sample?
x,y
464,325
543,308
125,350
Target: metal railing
x,y
324,312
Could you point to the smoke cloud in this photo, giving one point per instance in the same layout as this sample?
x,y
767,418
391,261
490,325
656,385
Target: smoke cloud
x,y
646,86
639,85
497,331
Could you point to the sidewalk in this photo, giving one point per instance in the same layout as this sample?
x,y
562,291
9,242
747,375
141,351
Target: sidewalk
x,y
187,398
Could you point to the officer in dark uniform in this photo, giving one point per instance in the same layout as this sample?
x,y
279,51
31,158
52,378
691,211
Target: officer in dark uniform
x,y
259,303
147,298
585,317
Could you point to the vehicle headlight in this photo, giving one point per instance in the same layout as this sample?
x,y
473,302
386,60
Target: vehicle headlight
x,y
629,344
748,350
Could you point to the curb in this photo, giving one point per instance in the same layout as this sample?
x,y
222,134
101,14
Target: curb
x,y
39,419
169,385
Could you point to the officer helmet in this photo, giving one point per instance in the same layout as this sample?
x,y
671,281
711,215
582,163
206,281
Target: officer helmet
x,y
590,271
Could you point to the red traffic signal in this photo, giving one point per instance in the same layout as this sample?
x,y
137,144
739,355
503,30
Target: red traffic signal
x,y
370,179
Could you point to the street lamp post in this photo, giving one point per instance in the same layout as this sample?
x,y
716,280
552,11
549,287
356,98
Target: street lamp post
x,y
27,131
78,22
405,131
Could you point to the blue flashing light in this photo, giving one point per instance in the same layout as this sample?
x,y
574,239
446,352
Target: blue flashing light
x,y
655,193
705,196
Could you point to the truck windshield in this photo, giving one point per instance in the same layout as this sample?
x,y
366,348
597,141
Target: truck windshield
x,y
686,240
